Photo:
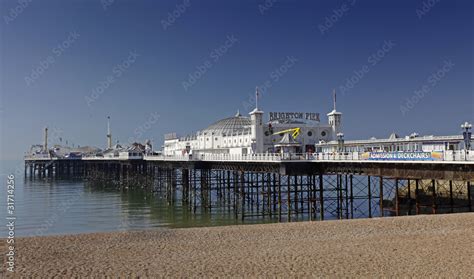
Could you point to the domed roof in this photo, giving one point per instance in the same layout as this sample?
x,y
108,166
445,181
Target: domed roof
x,y
231,125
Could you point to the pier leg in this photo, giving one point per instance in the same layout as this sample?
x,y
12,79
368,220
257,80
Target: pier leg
x,y
321,198
228,192
194,192
236,181
451,199
296,195
289,198
433,189
309,194
279,197
381,196
274,192
417,199
397,206
258,194
469,200
301,193
409,197
369,191
352,195
346,197
242,184
338,197
314,203
269,193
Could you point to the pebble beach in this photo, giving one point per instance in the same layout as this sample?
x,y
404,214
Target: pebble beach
x,y
412,246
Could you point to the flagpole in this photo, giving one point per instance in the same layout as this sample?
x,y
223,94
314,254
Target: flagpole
x,y
256,98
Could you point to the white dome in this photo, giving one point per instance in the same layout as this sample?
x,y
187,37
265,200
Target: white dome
x,y
231,125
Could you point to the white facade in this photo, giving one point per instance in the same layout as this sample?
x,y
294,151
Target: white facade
x,y
251,135
395,143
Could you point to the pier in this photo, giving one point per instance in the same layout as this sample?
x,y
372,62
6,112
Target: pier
x,y
283,187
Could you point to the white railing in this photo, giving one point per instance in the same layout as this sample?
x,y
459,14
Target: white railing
x,y
38,157
447,156
216,157
337,156
239,157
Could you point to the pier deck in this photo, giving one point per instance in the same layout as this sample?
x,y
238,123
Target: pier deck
x,y
289,187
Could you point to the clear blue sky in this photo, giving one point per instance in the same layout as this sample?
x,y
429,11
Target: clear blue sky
x,y
391,49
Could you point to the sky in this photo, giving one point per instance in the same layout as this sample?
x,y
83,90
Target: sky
x,y
157,67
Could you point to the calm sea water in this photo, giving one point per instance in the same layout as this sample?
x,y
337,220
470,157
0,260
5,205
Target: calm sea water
x,y
52,207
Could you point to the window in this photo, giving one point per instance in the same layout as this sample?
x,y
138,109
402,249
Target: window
x,y
215,139
310,133
323,133
267,133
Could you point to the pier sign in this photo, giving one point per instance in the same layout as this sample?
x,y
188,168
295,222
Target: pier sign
x,y
403,156
313,116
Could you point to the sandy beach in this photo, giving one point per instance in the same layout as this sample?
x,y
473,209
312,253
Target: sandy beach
x,y
421,246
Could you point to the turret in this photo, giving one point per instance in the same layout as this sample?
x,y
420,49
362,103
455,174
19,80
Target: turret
x,y
109,134
334,118
256,116
45,144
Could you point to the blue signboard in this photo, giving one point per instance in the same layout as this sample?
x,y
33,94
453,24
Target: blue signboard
x,y
403,156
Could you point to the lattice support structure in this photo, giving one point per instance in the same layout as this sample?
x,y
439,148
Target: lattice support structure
x,y
278,192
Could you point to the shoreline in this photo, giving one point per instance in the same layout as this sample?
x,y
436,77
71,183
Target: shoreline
x,y
423,245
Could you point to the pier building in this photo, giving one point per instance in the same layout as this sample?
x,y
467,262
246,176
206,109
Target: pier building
x,y
251,134
395,143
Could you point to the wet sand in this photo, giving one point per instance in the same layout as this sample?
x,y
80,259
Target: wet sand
x,y
414,246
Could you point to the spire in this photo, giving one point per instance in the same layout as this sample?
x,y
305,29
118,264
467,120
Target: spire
x,y
238,113
108,125
45,145
109,134
256,98
334,98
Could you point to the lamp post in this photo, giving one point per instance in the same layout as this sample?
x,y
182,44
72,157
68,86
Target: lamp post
x,y
467,137
340,142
